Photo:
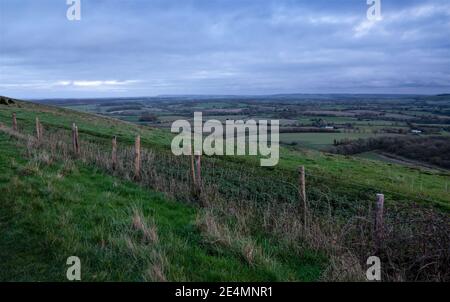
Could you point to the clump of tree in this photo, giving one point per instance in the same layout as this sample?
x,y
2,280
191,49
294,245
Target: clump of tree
x,y
148,117
6,101
286,114
318,122
395,130
431,120
431,149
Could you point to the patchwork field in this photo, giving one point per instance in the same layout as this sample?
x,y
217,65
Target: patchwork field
x,y
363,117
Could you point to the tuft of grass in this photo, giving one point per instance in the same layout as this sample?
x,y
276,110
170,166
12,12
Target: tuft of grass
x,y
148,232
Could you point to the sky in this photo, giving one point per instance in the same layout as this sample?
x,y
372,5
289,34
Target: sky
x,y
123,48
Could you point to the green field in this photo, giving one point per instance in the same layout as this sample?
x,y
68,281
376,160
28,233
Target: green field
x,y
320,141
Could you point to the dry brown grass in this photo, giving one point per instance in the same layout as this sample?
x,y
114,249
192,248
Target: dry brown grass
x,y
144,244
156,271
214,231
148,231
345,267
237,238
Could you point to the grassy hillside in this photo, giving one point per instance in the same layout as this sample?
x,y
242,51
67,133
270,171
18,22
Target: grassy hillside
x,y
53,205
52,210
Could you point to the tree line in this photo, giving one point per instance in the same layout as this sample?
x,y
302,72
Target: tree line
x,y
430,149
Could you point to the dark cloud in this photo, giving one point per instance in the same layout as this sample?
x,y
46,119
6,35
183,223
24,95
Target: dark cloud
x,y
139,47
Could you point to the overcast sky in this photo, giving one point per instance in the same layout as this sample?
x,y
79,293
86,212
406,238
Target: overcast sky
x,y
151,47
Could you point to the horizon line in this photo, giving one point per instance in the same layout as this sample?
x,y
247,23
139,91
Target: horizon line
x,y
230,95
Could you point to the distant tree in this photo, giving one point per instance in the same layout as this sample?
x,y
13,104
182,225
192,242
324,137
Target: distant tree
x,y
6,101
148,117
431,149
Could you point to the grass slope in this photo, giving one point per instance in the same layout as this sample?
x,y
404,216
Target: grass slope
x,y
50,211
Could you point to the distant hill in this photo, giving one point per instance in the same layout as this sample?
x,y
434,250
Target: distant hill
x,y
235,98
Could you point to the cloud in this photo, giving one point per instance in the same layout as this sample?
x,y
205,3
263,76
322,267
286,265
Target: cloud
x,y
364,28
98,83
125,48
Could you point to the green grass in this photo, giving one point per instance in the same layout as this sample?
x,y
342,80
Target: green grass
x,y
85,108
90,126
353,176
49,212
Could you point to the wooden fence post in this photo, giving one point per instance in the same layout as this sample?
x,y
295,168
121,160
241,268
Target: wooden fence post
x,y
194,182
75,141
38,129
41,130
14,121
198,164
114,153
379,208
302,193
198,179
137,158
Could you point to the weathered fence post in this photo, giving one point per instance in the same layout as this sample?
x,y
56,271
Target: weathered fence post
x,y
137,158
194,182
379,208
198,164
75,141
41,130
302,193
38,129
198,185
114,153
14,121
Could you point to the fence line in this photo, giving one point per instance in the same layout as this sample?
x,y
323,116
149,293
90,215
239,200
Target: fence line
x,y
197,174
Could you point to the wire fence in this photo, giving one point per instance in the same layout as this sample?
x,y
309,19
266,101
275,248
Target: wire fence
x,y
237,179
